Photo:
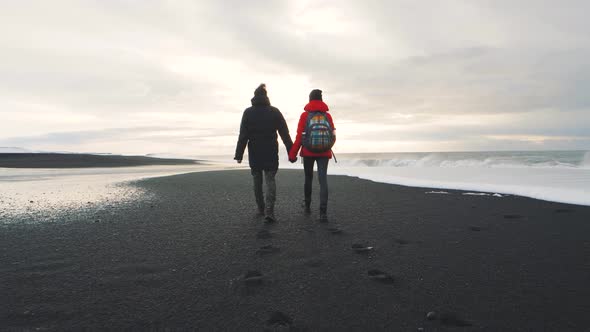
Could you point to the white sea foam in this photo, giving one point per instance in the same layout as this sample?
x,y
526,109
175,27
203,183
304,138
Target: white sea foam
x,y
552,184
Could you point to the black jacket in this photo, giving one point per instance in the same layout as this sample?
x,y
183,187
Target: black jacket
x,y
258,130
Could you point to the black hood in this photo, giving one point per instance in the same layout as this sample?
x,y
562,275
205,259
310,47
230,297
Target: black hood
x,y
260,100
260,97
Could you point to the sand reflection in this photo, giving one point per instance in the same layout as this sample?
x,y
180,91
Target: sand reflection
x,y
46,195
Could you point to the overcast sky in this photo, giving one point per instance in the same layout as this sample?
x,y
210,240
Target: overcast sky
x,y
173,77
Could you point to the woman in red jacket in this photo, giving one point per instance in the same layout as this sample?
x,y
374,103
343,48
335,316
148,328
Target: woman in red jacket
x,y
315,104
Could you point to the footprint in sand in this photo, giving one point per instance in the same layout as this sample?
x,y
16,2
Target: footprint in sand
x,y
401,241
334,230
361,248
253,278
268,249
512,216
264,234
452,319
380,276
448,318
313,262
278,318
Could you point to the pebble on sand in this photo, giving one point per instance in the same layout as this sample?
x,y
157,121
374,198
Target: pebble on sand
x,y
358,247
431,315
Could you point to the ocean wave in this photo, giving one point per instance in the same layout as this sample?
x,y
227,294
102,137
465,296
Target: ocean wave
x,y
479,160
586,160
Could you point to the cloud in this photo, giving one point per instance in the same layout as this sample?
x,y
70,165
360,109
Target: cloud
x,y
456,74
132,140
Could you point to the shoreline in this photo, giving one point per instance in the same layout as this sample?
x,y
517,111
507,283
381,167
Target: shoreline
x,y
74,161
548,184
195,256
539,193
119,177
446,179
31,193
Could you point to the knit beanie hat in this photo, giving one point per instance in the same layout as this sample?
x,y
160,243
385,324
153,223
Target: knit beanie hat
x,y
315,94
260,90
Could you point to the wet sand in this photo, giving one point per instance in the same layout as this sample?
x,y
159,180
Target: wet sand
x,y
57,194
64,160
194,255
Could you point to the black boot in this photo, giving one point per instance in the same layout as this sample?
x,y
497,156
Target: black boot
x,y
261,210
323,215
269,216
307,207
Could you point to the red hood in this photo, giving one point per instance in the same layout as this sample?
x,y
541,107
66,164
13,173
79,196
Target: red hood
x,y
316,105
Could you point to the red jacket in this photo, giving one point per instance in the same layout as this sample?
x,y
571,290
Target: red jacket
x,y
314,105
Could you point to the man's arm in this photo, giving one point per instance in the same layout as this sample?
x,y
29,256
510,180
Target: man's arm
x,y
242,139
284,133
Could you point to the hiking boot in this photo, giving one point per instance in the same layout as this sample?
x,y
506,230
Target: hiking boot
x,y
269,215
270,218
306,207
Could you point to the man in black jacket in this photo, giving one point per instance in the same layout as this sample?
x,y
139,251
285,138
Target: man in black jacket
x,y
258,130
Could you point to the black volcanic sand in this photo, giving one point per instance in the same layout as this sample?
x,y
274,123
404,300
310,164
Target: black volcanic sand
x,y
194,258
64,160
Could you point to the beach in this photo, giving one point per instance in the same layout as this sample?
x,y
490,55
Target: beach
x,y
193,255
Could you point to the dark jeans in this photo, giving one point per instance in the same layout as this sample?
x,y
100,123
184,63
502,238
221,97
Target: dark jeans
x,y
271,190
322,177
